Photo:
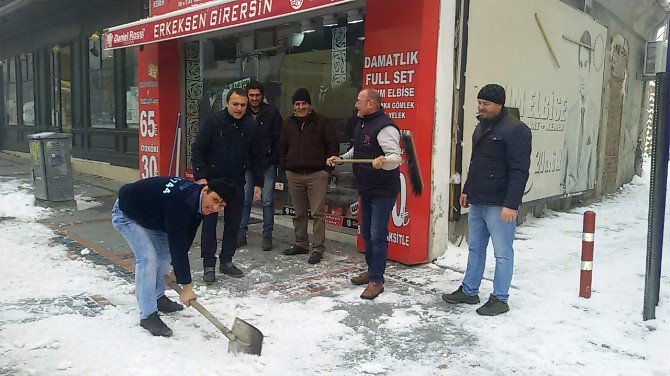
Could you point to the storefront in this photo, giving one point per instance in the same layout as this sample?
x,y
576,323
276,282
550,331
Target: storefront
x,y
56,77
331,47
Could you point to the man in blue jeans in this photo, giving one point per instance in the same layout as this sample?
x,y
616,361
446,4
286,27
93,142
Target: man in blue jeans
x,y
269,123
159,218
376,137
501,146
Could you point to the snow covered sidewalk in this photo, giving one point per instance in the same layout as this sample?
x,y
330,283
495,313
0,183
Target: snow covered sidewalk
x,y
50,323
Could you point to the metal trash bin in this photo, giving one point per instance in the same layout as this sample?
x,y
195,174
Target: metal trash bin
x,y
52,166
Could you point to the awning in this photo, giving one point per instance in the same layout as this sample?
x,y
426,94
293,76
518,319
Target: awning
x,y
210,16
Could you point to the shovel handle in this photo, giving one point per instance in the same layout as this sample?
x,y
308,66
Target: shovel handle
x,y
203,311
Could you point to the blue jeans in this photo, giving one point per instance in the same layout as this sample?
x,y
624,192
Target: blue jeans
x,y
375,213
484,222
267,198
152,259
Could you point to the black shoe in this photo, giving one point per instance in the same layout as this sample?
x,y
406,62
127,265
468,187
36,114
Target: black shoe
x,y
493,307
155,325
241,241
230,269
209,275
166,305
267,243
459,296
315,258
295,250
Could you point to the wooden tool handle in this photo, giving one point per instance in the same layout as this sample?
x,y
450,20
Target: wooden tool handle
x,y
355,160
203,311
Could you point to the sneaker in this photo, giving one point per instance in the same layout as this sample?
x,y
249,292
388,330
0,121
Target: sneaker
x,y
166,305
230,269
360,279
209,275
155,325
493,307
295,250
459,296
241,241
267,243
315,258
373,290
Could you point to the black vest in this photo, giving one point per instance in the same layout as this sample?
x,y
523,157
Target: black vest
x,y
373,182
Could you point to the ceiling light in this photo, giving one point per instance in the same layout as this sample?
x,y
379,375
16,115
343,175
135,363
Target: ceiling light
x,y
306,26
329,20
354,16
94,37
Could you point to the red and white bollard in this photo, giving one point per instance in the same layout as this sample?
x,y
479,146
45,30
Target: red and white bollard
x,y
588,232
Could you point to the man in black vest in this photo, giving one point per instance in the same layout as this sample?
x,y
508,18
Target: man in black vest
x,y
376,137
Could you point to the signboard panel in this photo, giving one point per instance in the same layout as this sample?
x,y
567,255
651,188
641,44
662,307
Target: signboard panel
x,y
159,7
560,105
210,16
400,61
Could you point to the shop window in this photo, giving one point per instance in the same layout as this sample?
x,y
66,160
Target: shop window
x,y
101,84
328,61
27,89
60,73
9,92
131,94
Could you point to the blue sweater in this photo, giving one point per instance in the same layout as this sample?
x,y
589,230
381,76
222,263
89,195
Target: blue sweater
x,y
170,205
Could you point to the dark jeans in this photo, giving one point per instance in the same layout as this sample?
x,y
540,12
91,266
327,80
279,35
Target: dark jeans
x,y
232,215
375,213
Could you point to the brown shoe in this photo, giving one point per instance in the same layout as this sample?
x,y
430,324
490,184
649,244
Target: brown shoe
x,y
373,290
360,279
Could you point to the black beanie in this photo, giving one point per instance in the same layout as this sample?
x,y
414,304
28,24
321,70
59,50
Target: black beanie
x,y
302,95
492,93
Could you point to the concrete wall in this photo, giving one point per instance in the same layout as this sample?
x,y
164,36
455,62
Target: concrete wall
x,y
629,24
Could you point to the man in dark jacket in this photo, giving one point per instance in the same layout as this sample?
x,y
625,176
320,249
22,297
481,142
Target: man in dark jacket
x,y
501,146
227,144
307,139
159,218
269,123
376,137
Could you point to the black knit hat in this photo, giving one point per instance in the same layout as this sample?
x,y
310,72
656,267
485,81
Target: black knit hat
x,y
302,95
492,93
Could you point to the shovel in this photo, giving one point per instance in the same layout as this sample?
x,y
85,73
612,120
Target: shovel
x,y
244,337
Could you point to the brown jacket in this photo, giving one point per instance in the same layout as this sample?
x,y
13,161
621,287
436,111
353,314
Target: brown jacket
x,y
306,143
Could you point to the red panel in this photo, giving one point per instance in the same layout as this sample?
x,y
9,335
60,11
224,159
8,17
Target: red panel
x,y
158,7
158,75
400,61
206,18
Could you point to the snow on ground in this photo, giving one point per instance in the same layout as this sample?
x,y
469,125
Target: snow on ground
x,y
47,327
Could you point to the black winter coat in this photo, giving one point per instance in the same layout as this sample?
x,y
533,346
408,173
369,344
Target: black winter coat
x,y
269,125
226,147
306,143
500,162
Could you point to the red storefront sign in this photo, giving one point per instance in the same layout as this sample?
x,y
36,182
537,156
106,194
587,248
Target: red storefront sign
x,y
210,16
158,107
400,62
158,7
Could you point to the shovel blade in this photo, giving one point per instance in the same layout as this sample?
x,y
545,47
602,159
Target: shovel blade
x,y
247,338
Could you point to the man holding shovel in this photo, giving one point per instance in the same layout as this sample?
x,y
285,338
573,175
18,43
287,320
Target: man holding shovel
x,y
159,218
376,137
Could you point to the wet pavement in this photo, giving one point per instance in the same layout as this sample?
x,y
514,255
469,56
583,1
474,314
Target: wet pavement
x,y
87,232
